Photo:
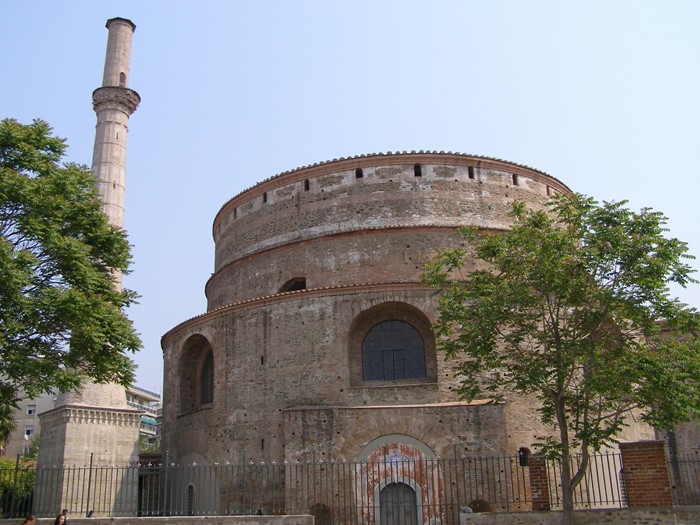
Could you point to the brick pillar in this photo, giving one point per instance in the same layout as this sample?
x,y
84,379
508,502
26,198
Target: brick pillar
x,y
539,484
645,474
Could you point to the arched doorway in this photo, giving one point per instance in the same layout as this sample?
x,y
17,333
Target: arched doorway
x,y
398,505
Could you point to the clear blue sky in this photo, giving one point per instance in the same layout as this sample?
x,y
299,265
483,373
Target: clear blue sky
x,y
602,95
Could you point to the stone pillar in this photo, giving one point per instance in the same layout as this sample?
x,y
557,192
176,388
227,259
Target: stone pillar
x,y
90,462
645,474
539,484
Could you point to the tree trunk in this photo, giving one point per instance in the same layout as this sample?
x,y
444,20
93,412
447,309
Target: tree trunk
x,y
567,489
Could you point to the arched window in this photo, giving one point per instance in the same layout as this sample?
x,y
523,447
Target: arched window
x,y
393,350
524,456
297,283
122,79
207,380
391,341
196,374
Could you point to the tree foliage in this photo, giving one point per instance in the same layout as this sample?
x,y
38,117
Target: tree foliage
x,y
17,480
7,423
568,305
62,319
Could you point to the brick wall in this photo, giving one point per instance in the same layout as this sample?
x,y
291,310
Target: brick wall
x,y
645,474
539,484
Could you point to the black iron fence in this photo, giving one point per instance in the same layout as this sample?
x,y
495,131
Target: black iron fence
x,y
684,470
436,490
601,487
334,492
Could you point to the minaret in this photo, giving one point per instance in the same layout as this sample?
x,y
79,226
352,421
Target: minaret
x,y
96,425
114,103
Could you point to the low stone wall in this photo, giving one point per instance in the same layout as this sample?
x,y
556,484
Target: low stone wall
x,y
181,520
652,516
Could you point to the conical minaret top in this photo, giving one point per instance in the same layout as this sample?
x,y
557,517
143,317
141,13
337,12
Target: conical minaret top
x,y
114,102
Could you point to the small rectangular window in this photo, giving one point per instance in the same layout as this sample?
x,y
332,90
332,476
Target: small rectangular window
x,y
29,431
515,179
31,410
265,197
306,185
470,171
358,173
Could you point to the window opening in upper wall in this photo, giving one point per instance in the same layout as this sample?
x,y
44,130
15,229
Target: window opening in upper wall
x,y
515,179
470,171
265,197
358,173
417,171
122,80
306,185
549,191
297,283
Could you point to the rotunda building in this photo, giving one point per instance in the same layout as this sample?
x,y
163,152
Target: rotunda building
x,y
317,339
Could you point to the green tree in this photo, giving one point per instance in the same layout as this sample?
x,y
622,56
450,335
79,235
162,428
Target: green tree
x,y
7,423
566,306
62,319
17,479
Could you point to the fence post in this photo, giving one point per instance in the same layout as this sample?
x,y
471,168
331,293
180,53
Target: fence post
x,y
89,484
539,483
645,473
166,491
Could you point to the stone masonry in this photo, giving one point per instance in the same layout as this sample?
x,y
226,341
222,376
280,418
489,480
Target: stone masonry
x,y
307,263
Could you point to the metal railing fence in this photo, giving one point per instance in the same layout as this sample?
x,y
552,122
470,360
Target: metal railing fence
x,y
684,470
335,492
601,487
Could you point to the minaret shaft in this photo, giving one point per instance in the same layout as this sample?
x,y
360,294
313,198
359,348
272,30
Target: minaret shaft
x,y
114,103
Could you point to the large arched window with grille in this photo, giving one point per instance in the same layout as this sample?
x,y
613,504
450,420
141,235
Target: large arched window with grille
x,y
391,342
392,350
